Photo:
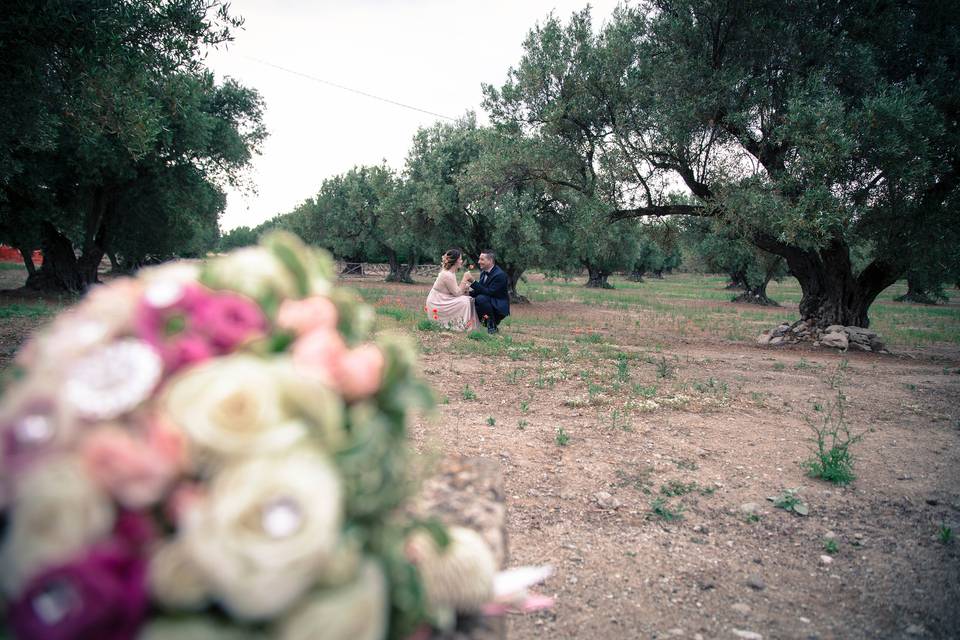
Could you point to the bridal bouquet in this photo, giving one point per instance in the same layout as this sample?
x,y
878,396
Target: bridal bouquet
x,y
219,451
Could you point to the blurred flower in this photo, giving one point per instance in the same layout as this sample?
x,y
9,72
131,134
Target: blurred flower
x,y
229,320
136,471
511,591
356,611
267,530
197,628
175,580
459,576
359,372
316,313
57,511
113,379
233,406
318,355
97,595
254,272
34,423
313,401
187,323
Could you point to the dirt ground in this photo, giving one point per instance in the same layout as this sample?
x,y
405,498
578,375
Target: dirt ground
x,y
623,571
705,430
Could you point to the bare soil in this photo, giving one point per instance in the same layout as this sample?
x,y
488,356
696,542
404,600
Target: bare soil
x,y
622,570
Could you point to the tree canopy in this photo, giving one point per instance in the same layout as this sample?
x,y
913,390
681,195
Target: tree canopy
x,y
804,127
118,140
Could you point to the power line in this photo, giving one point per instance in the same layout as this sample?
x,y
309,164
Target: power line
x,y
345,88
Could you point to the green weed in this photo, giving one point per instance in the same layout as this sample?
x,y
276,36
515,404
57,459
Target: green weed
x,y
660,508
562,438
832,460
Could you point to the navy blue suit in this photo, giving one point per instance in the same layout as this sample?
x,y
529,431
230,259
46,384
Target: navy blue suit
x,y
492,294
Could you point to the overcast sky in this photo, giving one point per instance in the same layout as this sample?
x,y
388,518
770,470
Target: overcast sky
x,y
431,54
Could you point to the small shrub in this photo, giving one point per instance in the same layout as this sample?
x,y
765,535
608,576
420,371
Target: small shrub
x,y
945,534
524,406
832,460
563,438
645,391
623,372
522,424
830,546
491,421
665,369
677,488
468,393
663,510
788,500
428,325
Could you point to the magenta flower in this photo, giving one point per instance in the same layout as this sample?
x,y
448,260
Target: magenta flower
x,y
189,324
101,595
230,319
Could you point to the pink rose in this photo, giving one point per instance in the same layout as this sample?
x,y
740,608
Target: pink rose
x,y
359,372
318,353
188,323
135,470
229,320
310,314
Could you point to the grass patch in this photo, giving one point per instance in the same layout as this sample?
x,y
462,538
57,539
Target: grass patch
x,y
18,310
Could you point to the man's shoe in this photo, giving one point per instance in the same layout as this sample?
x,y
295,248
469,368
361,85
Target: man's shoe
x,y
492,329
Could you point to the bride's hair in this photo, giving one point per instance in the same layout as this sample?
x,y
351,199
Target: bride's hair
x,y
450,258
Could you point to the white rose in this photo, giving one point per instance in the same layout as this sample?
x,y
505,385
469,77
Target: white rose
x,y
459,576
57,511
233,406
195,628
356,611
254,272
267,531
309,398
175,581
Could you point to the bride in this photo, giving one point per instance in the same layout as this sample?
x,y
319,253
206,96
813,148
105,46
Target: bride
x,y
448,302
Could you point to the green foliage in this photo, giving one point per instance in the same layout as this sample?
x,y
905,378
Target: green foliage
x,y
662,509
830,546
665,369
124,143
428,325
238,237
945,534
562,438
468,393
794,127
832,460
788,500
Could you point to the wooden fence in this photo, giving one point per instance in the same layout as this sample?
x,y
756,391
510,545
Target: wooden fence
x,y
380,270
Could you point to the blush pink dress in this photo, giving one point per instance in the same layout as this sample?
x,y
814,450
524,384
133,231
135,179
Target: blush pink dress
x,y
448,306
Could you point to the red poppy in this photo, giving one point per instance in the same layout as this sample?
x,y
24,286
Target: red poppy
x,y
434,310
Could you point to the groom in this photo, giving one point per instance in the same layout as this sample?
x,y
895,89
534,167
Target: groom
x,y
491,292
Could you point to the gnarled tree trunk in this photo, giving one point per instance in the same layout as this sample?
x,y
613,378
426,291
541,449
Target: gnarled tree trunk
x,y
918,293
597,278
756,295
27,255
514,273
832,294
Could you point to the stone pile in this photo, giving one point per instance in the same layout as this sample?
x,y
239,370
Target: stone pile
x,y
835,336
